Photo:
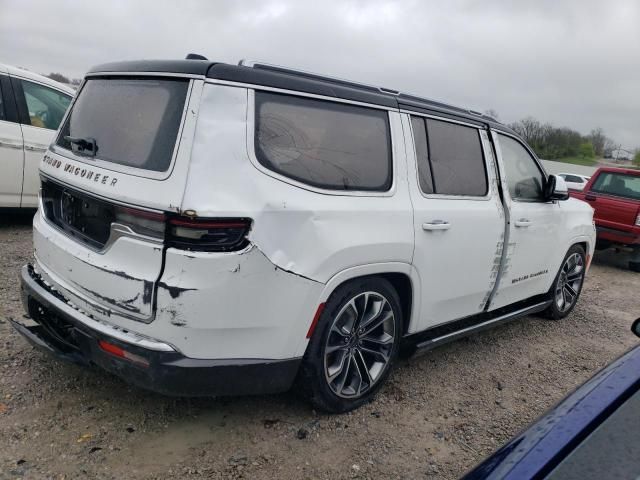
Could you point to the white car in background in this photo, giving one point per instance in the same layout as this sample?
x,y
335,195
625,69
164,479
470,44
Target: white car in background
x,y
574,181
31,108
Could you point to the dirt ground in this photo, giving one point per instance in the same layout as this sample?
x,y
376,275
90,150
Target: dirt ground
x,y
438,416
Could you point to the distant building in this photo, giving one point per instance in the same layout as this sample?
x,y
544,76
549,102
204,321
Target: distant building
x,y
621,155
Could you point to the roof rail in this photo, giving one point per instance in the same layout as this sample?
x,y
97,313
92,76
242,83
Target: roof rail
x,y
317,76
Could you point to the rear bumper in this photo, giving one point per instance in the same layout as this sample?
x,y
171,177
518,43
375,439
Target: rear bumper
x,y
67,333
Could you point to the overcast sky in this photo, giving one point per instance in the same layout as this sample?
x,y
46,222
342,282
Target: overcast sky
x,y
571,63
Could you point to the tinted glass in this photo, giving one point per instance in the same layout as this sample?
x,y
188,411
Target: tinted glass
x,y
524,178
572,178
422,154
46,106
618,184
2,114
324,144
133,121
457,163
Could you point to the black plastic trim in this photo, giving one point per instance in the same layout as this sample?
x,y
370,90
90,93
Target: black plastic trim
x,y
8,100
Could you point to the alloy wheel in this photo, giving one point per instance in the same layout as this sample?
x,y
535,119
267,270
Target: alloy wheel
x,y
569,282
359,345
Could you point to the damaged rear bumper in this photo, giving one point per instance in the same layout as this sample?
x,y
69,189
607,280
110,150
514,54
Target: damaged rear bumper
x,y
62,330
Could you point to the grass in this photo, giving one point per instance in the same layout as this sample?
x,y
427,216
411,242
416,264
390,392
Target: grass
x,y
587,162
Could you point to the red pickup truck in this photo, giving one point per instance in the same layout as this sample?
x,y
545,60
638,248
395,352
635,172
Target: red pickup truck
x,y
614,193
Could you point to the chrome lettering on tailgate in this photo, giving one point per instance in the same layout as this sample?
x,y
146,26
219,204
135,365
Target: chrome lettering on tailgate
x,y
82,172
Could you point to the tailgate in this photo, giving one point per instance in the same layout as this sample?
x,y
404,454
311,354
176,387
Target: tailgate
x,y
119,163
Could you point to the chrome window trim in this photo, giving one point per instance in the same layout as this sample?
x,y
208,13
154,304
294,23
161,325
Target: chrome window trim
x,y
115,167
443,196
250,134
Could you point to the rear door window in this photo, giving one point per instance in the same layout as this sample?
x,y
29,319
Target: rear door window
x,y
324,144
134,121
450,158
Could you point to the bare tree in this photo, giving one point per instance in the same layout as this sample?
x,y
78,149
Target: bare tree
x,y
598,140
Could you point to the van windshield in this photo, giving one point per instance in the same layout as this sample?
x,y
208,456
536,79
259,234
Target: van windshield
x,y
130,121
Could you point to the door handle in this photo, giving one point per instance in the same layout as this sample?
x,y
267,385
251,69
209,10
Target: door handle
x,y
35,148
523,222
436,225
4,143
590,198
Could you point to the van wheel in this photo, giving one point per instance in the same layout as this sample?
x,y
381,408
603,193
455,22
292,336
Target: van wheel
x,y
634,266
567,284
354,345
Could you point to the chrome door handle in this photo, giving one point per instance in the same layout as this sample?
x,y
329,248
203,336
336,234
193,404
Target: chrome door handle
x,y
35,148
436,225
4,143
523,222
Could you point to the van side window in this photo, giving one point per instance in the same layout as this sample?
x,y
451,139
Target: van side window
x,y
450,159
45,106
524,177
324,144
422,154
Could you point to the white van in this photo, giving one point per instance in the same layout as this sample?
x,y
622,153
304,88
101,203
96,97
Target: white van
x,y
31,109
215,229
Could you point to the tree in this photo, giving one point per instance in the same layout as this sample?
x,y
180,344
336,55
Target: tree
x,y
598,140
587,150
58,77
636,158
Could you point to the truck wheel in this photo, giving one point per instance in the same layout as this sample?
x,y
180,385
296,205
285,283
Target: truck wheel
x,y
567,284
634,266
354,345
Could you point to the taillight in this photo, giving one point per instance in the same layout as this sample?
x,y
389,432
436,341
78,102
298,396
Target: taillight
x,y
209,234
141,221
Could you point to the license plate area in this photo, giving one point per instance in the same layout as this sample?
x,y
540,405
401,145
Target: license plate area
x,y
85,218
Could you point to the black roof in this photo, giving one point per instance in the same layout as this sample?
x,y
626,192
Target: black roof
x,y
289,79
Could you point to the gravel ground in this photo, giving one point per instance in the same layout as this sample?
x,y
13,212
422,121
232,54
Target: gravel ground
x,y
439,415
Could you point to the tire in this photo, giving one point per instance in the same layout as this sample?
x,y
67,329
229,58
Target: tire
x,y
634,266
353,347
567,285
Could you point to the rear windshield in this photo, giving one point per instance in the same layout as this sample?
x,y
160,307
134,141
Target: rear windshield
x,y
134,122
618,184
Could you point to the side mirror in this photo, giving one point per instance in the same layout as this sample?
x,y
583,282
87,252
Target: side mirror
x,y
555,189
635,327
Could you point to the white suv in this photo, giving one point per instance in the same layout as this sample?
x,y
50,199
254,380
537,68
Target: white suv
x,y
31,109
209,229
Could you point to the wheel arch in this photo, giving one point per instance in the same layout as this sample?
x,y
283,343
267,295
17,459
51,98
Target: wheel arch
x,y
402,276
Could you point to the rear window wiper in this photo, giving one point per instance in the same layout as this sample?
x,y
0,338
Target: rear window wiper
x,y
84,146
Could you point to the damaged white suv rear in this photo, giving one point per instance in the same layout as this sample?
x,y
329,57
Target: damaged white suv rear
x,y
215,229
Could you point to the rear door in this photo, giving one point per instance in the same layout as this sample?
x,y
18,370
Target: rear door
x,y
458,218
534,224
11,147
41,110
119,163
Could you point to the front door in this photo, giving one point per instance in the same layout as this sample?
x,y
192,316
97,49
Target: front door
x,y
458,218
534,225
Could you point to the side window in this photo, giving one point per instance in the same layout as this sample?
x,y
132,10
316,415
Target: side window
x,y
3,115
524,177
45,106
422,153
450,159
324,144
573,178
